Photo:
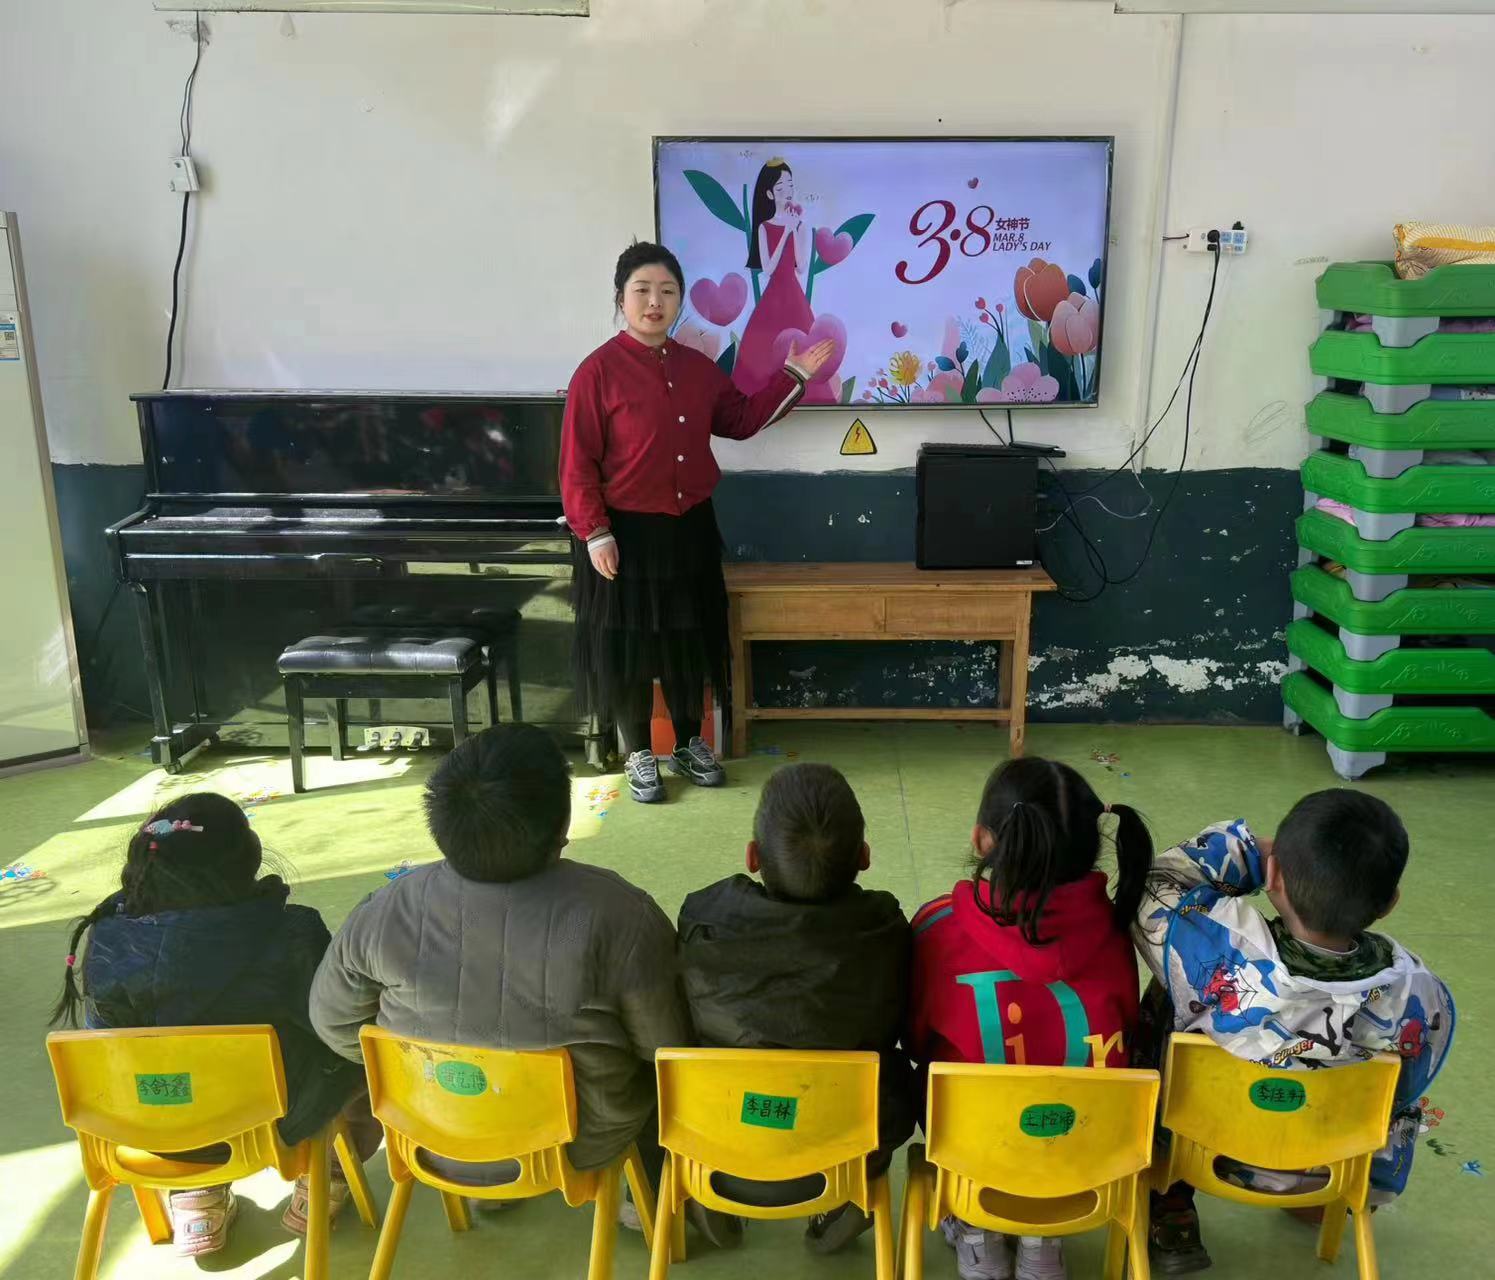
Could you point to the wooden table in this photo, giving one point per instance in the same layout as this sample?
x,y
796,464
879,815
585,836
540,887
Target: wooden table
x,y
882,602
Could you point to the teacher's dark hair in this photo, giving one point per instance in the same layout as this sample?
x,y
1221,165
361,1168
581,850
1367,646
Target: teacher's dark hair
x,y
644,253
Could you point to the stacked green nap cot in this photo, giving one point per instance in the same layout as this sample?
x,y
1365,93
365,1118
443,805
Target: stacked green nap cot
x,y
1394,602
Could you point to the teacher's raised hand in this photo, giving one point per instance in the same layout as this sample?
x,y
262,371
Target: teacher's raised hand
x,y
809,362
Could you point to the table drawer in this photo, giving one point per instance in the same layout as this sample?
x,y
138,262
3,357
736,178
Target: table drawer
x,y
808,613
939,613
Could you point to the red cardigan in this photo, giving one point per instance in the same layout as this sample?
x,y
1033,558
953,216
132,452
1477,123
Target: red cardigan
x,y
638,427
982,993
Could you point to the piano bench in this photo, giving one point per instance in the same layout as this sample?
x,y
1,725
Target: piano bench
x,y
379,664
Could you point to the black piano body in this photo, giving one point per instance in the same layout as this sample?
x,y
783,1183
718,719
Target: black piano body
x,y
273,515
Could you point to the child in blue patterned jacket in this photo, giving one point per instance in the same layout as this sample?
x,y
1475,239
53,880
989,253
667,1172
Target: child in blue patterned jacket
x,y
1310,988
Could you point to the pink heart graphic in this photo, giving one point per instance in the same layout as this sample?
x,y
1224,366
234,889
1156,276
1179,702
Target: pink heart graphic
x,y
974,183
719,304
825,327
900,330
831,247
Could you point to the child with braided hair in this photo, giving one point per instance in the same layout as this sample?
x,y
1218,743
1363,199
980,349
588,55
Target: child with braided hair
x,y
196,936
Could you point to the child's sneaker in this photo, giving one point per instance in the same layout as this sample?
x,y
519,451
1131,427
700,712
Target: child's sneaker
x,y
642,772
200,1219
979,1255
1173,1242
833,1231
696,763
294,1218
1040,1258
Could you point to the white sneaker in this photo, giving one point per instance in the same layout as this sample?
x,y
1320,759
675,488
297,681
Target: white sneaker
x,y
979,1255
1040,1258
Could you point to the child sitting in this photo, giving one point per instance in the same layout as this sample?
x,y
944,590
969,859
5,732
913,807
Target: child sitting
x,y
1310,988
1029,960
508,945
195,937
806,959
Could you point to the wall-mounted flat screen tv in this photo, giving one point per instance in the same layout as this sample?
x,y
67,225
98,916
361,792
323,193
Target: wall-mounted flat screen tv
x,y
947,271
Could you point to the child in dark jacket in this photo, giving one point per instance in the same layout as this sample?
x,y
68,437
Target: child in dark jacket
x,y
195,937
1029,961
804,957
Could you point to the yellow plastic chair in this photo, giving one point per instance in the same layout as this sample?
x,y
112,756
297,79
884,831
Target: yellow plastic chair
x,y
133,1093
482,1106
768,1115
1215,1104
1033,1151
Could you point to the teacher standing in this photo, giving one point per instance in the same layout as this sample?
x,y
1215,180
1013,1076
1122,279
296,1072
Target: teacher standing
x,y
637,475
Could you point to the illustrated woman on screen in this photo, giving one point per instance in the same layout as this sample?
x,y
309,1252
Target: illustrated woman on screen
x,y
780,250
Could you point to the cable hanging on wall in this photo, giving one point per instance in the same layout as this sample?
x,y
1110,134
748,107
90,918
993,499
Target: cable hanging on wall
x,y
1070,513
185,125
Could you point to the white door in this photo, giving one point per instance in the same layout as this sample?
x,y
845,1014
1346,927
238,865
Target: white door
x,y
40,715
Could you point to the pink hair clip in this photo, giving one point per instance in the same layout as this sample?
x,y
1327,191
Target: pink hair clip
x,y
165,826
71,961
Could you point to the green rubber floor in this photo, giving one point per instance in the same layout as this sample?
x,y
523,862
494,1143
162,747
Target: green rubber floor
x,y
918,786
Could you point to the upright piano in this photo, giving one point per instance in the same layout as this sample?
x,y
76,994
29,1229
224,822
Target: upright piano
x,y
272,515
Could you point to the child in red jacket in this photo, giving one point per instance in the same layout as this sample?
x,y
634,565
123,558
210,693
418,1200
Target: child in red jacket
x,y
1030,961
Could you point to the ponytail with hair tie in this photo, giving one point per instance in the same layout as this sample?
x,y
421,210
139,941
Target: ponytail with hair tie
x,y
1043,820
65,1011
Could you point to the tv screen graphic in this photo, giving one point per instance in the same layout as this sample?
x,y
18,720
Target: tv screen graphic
x,y
946,271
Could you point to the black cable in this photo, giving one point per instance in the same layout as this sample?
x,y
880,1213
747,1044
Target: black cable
x,y
1188,424
176,275
1092,552
184,124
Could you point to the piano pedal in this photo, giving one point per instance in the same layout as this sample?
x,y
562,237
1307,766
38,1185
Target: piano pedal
x,y
394,738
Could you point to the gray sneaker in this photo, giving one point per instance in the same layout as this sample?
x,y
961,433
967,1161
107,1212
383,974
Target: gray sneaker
x,y
642,771
697,764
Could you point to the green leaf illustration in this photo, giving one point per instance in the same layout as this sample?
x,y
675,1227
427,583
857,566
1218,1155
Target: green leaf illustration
x,y
998,366
972,383
848,389
715,198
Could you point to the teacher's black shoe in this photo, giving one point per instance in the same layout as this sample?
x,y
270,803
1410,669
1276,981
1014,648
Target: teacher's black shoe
x,y
696,763
642,771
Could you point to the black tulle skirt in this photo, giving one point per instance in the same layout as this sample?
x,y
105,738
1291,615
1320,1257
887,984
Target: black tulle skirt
x,y
664,617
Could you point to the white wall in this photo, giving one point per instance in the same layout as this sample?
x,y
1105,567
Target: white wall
x,y
1320,134
400,201
435,202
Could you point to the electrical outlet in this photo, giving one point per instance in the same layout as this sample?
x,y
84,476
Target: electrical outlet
x,y
1217,240
184,175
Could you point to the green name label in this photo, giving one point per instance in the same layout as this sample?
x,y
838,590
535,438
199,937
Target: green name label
x,y
769,1112
164,1091
1285,1094
1047,1120
466,1078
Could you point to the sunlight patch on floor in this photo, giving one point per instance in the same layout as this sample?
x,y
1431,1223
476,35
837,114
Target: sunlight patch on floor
x,y
41,1179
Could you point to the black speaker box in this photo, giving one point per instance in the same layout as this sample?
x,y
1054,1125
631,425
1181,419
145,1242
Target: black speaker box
x,y
977,507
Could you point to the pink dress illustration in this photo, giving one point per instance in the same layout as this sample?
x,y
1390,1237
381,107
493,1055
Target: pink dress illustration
x,y
782,306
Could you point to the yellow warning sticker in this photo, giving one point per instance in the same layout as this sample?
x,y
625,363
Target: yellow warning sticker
x,y
858,440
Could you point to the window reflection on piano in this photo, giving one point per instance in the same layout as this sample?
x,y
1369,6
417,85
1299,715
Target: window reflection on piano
x,y
397,447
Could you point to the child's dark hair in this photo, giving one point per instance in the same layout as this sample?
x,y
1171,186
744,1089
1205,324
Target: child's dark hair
x,y
810,830
1045,825
197,851
1342,854
644,253
498,806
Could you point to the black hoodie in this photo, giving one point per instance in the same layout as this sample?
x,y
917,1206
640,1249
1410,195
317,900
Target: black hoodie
x,y
761,973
